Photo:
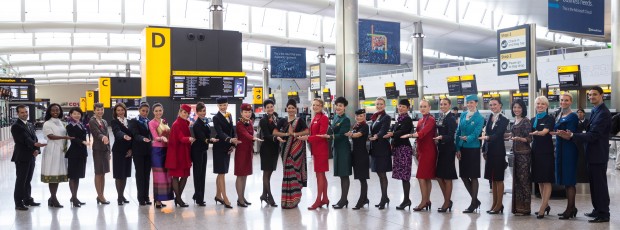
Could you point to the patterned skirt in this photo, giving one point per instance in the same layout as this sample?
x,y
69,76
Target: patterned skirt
x,y
401,162
521,184
295,172
162,182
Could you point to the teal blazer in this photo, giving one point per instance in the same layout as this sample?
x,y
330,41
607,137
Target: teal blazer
x,y
472,129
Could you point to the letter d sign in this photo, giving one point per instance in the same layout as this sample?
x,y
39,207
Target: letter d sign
x,y
154,43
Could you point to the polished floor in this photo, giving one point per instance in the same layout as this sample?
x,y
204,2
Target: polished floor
x,y
257,216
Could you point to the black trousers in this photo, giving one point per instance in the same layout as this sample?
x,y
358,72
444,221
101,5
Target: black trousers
x,y
599,189
199,160
24,171
143,176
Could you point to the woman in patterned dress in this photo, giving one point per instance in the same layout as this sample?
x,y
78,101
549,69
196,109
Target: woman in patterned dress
x,y
521,139
54,163
402,153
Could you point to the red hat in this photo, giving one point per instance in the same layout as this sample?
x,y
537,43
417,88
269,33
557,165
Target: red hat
x,y
186,108
246,106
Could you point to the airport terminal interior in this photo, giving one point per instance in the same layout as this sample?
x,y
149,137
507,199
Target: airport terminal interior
x,y
246,78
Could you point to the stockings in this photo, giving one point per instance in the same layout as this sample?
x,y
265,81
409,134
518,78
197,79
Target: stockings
x,y
321,182
471,184
266,184
120,188
364,190
384,183
344,187
406,188
73,186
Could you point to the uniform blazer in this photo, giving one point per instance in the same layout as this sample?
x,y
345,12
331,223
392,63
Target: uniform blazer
x,y
139,131
446,131
381,146
98,133
403,127
77,148
270,144
495,143
202,132
120,144
581,126
596,137
224,132
471,129
24,137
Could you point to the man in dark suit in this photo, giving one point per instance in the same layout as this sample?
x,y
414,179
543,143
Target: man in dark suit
x,y
596,139
141,150
24,155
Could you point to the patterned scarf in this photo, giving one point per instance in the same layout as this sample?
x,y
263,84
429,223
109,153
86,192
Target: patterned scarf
x,y
376,115
144,121
402,117
76,123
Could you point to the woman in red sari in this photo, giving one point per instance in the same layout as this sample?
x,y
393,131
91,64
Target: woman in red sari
x,y
243,152
427,154
320,153
178,159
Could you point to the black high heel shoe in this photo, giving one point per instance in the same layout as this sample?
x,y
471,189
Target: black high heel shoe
x,y
81,203
473,207
383,203
102,201
160,205
449,208
404,204
120,202
218,200
426,206
246,202
361,203
272,203
569,215
341,205
264,198
501,210
125,200
243,205
180,203
54,203
542,215
75,203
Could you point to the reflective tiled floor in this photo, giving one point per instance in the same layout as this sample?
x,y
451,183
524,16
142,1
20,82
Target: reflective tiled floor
x,y
133,216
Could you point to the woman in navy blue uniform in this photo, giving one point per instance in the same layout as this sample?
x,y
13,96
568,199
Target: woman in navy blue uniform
x,y
202,133
121,151
495,153
225,132
542,153
446,155
380,150
76,153
269,149
359,154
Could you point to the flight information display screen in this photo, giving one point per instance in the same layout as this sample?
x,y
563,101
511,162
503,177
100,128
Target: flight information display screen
x,y
207,87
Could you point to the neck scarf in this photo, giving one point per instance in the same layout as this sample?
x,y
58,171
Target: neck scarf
x,y
376,115
402,117
538,116
76,123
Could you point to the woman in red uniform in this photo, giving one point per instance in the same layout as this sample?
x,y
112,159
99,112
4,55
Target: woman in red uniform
x,y
427,154
178,159
320,153
243,152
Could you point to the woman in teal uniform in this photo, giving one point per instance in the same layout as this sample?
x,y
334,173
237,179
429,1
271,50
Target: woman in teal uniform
x,y
342,150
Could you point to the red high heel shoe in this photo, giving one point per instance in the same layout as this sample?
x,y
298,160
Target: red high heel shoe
x,y
318,204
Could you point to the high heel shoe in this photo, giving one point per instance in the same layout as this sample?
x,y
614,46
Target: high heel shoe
x,y
317,204
547,210
243,205
272,203
102,201
449,208
75,203
361,203
473,207
82,203
383,203
542,215
568,215
426,206
341,204
125,200
227,206
120,201
218,200
160,205
264,198
180,203
246,202
493,212
54,203
404,204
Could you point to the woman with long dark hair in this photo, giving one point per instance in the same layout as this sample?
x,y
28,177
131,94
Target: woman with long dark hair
x,y
162,182
293,152
121,150
76,154
521,139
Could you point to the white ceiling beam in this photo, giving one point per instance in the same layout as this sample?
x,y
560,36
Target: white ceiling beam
x,y
73,62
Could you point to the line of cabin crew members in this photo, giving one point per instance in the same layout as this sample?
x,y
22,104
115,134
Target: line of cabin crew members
x,y
171,152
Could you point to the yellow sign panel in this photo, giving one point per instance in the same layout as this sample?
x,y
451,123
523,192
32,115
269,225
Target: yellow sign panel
x,y
467,77
568,69
105,91
257,95
454,79
326,90
512,33
155,63
523,75
516,94
513,55
292,93
410,82
390,84
83,104
360,87
90,100
526,94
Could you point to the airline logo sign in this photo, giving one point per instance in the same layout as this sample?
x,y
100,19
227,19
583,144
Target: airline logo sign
x,y
513,50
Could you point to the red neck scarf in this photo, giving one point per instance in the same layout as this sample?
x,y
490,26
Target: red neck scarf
x,y
376,115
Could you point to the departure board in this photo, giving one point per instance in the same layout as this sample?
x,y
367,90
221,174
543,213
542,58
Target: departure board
x,y
207,87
